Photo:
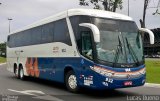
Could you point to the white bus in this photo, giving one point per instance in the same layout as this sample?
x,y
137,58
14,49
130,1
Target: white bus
x,y
81,48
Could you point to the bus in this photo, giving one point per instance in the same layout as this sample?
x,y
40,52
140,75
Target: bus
x,y
81,48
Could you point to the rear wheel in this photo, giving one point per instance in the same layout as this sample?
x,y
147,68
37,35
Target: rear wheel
x,y
16,71
71,82
21,73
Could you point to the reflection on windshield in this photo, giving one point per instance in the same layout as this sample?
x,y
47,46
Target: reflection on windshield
x,y
120,41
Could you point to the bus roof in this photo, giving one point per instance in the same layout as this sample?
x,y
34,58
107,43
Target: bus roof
x,y
74,12
98,13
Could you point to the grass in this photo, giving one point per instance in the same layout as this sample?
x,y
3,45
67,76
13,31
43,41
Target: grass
x,y
153,70
2,60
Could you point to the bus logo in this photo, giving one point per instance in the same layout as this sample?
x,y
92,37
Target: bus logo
x,y
127,69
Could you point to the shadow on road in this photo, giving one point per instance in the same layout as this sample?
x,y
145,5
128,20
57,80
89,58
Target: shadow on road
x,y
83,91
106,93
84,95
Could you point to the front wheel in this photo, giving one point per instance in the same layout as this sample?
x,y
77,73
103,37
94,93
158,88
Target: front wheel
x,y
71,82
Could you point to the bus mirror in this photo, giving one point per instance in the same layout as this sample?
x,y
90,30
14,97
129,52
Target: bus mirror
x,y
151,34
94,29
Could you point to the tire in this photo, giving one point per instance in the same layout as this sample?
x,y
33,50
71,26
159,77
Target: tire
x,y
16,72
71,82
21,73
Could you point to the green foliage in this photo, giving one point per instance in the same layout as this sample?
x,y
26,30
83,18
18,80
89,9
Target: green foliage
x,y
108,5
3,49
2,59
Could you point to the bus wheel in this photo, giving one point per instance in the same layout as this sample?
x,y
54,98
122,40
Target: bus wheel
x,y
15,71
71,82
21,73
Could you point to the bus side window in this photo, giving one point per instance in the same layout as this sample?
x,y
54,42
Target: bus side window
x,y
61,32
8,38
8,41
86,44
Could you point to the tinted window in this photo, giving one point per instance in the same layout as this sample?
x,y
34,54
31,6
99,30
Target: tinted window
x,y
75,21
8,40
35,34
52,32
87,44
11,41
18,37
61,33
47,33
26,38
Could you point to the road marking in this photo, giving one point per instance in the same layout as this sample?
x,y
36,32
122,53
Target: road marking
x,y
40,95
27,92
152,85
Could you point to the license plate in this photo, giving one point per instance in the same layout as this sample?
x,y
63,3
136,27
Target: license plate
x,y
128,83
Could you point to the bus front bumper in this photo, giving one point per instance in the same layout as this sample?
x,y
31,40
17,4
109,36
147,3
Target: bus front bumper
x,y
102,83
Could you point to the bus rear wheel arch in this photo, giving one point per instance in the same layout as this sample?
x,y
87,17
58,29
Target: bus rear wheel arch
x,y
71,81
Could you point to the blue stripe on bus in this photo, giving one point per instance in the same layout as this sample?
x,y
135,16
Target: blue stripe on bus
x,y
53,69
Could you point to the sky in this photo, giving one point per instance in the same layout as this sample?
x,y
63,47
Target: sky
x,y
25,12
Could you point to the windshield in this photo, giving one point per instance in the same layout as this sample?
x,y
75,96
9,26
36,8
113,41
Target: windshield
x,y
120,41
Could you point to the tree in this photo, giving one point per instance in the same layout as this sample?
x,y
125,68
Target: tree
x,y
146,3
157,11
108,5
3,49
142,21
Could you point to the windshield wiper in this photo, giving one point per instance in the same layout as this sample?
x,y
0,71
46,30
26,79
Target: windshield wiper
x,y
119,48
131,51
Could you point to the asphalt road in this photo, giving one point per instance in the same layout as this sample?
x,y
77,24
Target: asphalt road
x,y
13,89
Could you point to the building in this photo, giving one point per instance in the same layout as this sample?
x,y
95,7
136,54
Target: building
x,y
152,50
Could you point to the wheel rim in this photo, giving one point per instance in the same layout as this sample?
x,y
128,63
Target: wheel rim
x,y
72,81
21,73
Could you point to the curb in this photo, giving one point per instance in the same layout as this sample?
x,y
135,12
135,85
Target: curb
x,y
152,85
2,64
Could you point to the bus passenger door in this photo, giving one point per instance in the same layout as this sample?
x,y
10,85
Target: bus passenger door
x,y
87,58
